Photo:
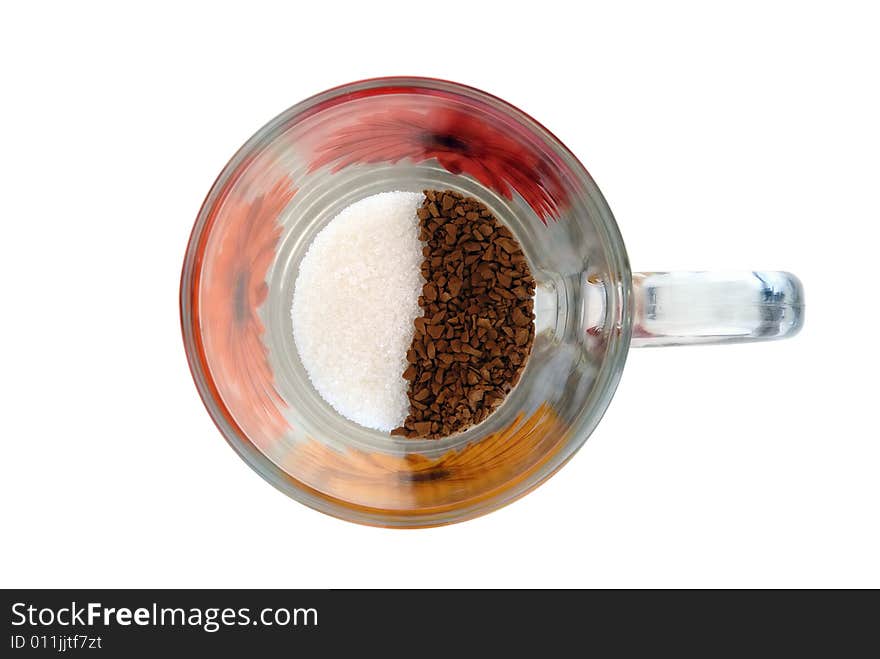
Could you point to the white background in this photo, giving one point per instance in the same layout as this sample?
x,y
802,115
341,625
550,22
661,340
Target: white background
x,y
744,137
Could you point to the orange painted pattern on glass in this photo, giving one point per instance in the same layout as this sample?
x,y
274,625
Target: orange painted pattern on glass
x,y
415,484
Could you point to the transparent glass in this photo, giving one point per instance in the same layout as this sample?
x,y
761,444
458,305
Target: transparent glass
x,y
409,134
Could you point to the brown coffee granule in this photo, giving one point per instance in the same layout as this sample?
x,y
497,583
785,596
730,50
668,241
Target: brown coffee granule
x,y
477,327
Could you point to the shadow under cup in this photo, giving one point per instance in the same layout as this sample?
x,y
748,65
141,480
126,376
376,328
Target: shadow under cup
x,y
293,177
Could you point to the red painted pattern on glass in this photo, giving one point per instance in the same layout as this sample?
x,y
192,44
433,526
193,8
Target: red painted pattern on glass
x,y
460,141
231,295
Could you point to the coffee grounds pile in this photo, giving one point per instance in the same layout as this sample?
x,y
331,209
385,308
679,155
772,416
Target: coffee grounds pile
x,y
477,326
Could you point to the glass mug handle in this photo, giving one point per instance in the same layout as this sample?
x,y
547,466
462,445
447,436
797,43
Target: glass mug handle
x,y
685,308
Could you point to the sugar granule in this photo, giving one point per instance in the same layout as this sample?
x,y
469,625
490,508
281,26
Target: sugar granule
x,y
354,303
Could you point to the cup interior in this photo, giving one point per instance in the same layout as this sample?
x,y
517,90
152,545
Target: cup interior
x,y
287,183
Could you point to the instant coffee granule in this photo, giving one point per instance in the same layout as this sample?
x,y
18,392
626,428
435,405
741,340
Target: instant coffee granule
x,y
477,327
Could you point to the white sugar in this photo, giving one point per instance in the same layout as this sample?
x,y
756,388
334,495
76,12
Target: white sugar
x,y
354,304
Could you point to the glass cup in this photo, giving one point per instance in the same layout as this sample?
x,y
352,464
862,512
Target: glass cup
x,y
301,169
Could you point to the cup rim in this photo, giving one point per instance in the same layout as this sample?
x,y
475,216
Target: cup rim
x,y
609,371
